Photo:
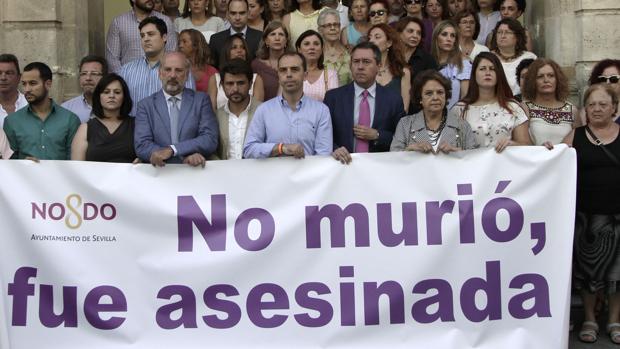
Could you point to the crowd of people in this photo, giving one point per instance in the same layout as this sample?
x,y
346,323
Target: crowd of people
x,y
234,79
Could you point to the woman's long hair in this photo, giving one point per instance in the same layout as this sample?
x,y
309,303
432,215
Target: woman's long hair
x,y
455,57
202,52
503,93
395,58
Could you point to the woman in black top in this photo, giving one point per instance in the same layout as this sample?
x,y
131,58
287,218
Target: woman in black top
x,y
597,224
108,135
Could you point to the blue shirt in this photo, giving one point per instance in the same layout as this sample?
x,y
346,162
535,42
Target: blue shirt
x,y
452,73
79,107
143,80
309,124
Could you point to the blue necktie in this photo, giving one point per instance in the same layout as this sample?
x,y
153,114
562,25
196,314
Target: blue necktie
x,y
174,120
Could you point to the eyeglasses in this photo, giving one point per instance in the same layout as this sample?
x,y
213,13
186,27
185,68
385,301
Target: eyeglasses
x,y
91,73
468,22
377,13
409,2
611,79
506,32
335,25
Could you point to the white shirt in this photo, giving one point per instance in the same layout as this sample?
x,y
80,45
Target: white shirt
x,y
19,103
237,125
343,11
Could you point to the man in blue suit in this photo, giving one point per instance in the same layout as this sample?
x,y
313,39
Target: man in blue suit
x,y
175,124
364,113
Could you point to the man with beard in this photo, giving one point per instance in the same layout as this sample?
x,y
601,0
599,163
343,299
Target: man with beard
x,y
171,9
11,99
290,124
142,74
123,39
175,124
235,116
43,129
92,69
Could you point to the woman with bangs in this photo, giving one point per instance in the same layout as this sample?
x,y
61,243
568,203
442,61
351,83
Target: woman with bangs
x,y
393,72
606,71
435,11
452,64
496,119
552,116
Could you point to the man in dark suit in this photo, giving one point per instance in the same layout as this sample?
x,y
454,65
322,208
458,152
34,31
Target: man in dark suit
x,y
175,124
238,18
364,113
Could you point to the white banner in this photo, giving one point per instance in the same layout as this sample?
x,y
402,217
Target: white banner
x,y
398,250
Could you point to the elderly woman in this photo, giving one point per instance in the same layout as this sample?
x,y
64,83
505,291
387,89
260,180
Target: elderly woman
x,y
197,15
469,28
597,225
234,47
193,44
514,9
358,24
508,44
453,65
432,130
108,137
335,54
393,72
606,71
496,119
272,46
319,79
552,116
378,12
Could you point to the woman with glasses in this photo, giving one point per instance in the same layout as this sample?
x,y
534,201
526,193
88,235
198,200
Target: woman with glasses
x,y
508,44
378,12
452,64
413,8
607,71
552,116
304,16
197,15
514,9
358,24
435,11
335,55
432,130
393,72
496,119
596,253
319,79
469,28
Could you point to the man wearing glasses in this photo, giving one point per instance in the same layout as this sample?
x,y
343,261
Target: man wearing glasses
x,y
92,68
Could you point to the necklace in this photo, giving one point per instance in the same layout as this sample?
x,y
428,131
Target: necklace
x,y
506,58
439,128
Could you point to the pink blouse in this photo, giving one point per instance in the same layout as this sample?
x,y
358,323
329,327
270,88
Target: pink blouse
x,y
317,89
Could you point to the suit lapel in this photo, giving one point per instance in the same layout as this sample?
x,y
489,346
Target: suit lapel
x,y
161,108
186,106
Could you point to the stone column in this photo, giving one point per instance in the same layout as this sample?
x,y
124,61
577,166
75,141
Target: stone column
x,y
56,32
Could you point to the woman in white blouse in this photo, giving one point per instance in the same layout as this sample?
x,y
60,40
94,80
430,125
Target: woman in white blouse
x,y
496,119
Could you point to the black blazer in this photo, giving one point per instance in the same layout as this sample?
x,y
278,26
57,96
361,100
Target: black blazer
x,y
217,40
388,111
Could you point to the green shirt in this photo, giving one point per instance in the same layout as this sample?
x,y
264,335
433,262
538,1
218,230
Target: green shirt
x,y
46,140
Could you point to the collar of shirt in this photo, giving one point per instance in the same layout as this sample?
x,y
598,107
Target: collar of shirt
x,y
284,102
245,111
148,64
52,110
244,31
372,90
179,96
133,13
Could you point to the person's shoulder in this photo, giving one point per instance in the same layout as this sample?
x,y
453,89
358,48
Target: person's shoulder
x,y
70,102
122,17
341,90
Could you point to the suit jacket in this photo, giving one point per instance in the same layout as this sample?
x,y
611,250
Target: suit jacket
x,y
222,119
216,43
198,131
388,111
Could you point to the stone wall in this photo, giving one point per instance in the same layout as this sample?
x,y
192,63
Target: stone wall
x,y
57,32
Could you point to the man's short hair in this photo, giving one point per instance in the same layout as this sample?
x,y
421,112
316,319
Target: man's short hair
x,y
10,58
368,45
158,22
96,59
246,3
237,66
294,54
44,71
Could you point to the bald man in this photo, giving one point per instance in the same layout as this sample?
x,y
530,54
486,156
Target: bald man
x,y
175,124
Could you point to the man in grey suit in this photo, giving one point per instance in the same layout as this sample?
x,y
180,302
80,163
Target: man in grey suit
x,y
175,124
